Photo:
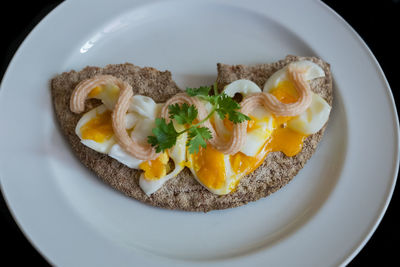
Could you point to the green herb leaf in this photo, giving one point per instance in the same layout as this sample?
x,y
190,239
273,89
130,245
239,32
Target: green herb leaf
x,y
201,91
184,114
164,135
226,105
237,117
198,137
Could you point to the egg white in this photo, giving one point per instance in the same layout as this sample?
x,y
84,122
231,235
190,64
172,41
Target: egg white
x,y
116,152
243,86
264,126
144,106
313,119
108,94
102,147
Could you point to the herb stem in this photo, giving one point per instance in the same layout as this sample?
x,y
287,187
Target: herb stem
x,y
215,88
200,122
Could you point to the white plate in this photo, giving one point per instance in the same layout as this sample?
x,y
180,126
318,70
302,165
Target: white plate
x,y
322,218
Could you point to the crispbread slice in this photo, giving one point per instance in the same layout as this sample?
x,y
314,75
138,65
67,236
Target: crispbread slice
x,y
183,192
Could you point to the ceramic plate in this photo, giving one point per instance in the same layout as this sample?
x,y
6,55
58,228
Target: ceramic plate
x,y
322,218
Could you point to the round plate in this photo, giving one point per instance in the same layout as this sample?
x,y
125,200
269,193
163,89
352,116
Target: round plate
x,y
323,217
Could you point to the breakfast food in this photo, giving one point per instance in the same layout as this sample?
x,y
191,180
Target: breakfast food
x,y
196,151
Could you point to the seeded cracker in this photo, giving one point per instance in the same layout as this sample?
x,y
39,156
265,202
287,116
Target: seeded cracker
x,y
184,192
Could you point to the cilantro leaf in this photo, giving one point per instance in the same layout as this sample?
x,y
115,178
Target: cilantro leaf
x,y
228,106
164,135
184,114
227,103
201,91
198,137
237,117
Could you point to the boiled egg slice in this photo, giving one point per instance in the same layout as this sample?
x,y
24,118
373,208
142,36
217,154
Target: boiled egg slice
x,y
242,86
259,128
95,129
220,173
118,153
211,168
317,114
157,172
144,106
313,119
311,71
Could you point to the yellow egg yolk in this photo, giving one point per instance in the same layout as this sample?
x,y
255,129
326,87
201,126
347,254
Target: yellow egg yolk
x,y
285,92
98,129
95,91
286,140
228,124
243,164
155,169
209,166
105,92
251,124
282,139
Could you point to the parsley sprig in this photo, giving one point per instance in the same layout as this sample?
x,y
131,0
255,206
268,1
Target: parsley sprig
x,y
165,135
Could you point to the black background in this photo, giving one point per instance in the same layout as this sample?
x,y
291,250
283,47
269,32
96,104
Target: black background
x,y
377,22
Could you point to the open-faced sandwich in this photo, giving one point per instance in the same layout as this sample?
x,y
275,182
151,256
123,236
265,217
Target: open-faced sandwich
x,y
206,148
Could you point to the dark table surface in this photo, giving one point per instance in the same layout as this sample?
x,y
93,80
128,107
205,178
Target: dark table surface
x,y
377,22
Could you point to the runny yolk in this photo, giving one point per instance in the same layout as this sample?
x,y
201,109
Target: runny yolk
x,y
209,166
98,129
155,169
286,140
251,124
282,139
244,164
285,92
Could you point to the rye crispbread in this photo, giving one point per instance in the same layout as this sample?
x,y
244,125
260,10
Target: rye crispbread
x,y
184,192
